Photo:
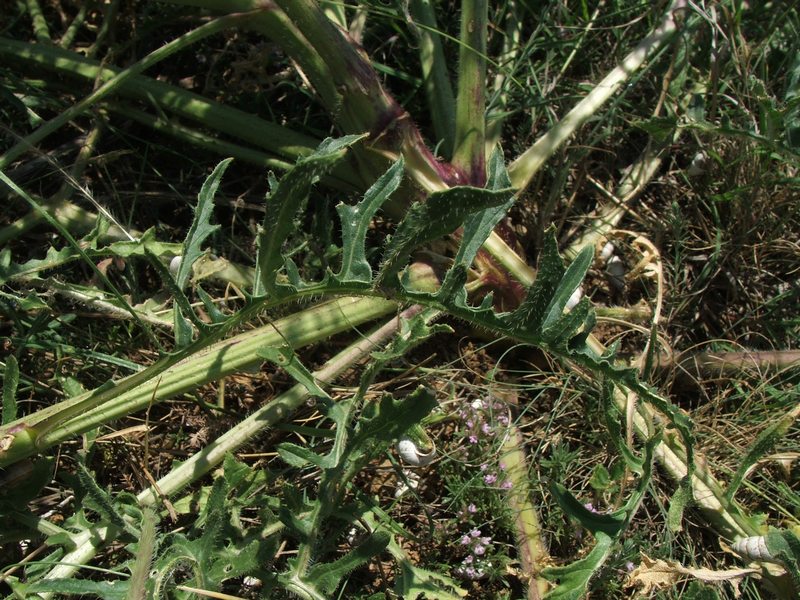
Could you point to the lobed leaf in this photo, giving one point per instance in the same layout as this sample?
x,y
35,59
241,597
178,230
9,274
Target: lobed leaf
x,y
356,221
284,201
441,214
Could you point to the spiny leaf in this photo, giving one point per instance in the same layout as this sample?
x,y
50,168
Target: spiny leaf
x,y
300,456
326,576
107,590
356,221
98,499
610,524
283,202
570,281
561,333
531,313
285,357
573,579
441,214
201,227
479,226
392,418
784,545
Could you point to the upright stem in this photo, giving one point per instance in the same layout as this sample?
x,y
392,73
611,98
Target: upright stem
x,y
470,151
435,77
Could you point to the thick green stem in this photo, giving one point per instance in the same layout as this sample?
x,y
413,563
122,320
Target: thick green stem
x,y
212,455
438,88
175,375
470,152
40,30
239,124
274,412
114,83
533,555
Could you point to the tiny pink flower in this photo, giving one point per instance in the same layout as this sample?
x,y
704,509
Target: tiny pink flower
x,y
465,540
473,439
475,533
507,484
489,479
479,550
472,509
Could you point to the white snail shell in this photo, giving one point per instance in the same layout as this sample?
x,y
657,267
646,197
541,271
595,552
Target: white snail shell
x,y
754,548
575,298
607,251
175,265
411,455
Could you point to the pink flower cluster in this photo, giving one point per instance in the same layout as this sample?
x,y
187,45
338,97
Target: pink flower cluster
x,y
474,565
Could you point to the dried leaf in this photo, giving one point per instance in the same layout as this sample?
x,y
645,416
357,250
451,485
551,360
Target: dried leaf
x,y
655,574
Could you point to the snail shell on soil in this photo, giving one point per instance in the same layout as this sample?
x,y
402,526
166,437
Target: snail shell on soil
x,y
754,548
412,455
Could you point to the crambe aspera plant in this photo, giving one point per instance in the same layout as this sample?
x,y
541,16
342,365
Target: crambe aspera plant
x,y
446,254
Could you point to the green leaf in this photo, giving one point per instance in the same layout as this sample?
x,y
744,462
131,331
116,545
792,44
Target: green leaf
x,y
441,214
413,582
573,579
785,547
531,313
610,524
201,227
10,383
147,243
356,221
284,201
107,590
680,500
570,282
326,576
299,456
479,226
98,499
285,357
391,418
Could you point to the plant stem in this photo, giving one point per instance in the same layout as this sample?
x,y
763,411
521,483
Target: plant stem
x,y
110,86
177,374
470,152
277,410
263,134
436,79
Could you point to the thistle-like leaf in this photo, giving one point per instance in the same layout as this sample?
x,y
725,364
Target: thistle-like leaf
x,y
530,315
570,282
441,214
300,456
284,201
201,227
285,357
573,579
356,221
326,576
478,226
